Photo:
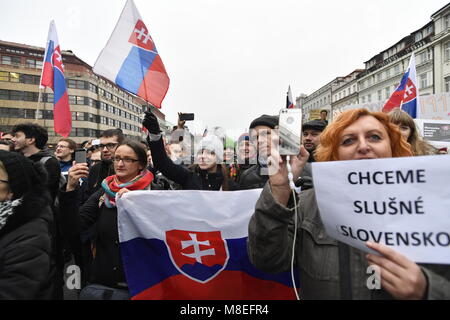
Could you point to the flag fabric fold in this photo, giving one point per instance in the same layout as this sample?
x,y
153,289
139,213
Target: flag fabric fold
x,y
405,96
184,245
53,77
131,60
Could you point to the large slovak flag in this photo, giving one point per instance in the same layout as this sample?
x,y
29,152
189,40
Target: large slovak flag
x,y
53,76
183,245
131,61
407,93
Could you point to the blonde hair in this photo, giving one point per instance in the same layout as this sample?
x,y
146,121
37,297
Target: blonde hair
x,y
329,140
419,146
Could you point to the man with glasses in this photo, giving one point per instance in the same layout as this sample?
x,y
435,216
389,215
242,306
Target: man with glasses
x,y
109,141
64,152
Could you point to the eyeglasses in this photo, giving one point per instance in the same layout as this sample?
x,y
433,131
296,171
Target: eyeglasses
x,y
110,146
125,160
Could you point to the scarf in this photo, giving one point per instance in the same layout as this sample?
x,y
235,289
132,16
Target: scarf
x,y
111,185
6,210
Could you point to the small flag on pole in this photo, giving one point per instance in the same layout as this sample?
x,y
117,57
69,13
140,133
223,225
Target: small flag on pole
x,y
407,93
53,76
131,61
289,100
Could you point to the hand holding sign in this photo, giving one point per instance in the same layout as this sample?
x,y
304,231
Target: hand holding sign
x,y
400,276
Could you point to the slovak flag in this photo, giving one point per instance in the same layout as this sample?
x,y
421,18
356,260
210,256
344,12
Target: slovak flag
x,y
192,245
53,76
407,93
131,61
289,100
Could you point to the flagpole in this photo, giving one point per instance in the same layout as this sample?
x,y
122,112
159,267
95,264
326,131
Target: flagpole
x,y
39,103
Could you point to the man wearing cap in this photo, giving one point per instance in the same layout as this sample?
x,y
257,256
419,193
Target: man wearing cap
x,y
257,175
311,139
311,136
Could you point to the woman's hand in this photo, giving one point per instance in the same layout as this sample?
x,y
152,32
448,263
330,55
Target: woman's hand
x,y
278,173
78,170
401,277
121,192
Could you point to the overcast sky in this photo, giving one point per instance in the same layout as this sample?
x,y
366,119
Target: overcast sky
x,y
230,61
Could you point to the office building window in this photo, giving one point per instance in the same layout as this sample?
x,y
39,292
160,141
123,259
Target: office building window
x,y
423,80
30,63
447,84
447,51
6,60
380,95
387,92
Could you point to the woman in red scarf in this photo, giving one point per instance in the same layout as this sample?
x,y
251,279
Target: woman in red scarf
x,y
107,278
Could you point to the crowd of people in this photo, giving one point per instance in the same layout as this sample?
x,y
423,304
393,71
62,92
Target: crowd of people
x,y
55,211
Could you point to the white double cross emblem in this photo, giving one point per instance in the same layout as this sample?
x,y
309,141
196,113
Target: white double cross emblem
x,y
143,34
197,254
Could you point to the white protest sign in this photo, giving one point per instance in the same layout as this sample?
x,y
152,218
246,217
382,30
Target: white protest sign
x,y
401,202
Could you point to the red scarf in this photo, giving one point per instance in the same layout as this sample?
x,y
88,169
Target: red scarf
x,y
112,185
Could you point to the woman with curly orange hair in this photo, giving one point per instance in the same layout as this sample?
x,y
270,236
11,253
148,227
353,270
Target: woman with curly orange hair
x,y
330,269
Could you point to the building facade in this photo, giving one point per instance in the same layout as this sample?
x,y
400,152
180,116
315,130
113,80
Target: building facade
x,y
382,74
96,103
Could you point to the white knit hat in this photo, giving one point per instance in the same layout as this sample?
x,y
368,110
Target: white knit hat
x,y
211,143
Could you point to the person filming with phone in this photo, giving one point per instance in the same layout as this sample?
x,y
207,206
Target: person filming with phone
x,y
330,269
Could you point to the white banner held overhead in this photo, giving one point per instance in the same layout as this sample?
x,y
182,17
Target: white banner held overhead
x,y
401,202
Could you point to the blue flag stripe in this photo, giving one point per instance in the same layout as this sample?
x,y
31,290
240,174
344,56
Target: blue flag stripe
x,y
134,69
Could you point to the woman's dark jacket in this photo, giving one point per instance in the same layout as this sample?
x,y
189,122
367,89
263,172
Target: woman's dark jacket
x,y
25,251
106,268
188,179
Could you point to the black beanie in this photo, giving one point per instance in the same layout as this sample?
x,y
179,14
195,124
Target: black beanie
x,y
265,120
23,174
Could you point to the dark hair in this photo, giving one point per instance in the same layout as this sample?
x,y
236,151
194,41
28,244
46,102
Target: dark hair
x,y
113,133
33,130
324,110
137,147
8,143
72,144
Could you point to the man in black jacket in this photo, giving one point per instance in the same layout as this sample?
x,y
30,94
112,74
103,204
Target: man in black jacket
x,y
256,176
30,140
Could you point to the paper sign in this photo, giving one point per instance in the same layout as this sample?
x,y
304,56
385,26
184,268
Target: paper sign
x,y
401,202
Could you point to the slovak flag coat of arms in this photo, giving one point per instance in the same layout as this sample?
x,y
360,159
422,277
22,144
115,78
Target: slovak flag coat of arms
x,y
406,94
181,245
131,60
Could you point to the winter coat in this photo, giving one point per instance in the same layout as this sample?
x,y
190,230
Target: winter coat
x,y
106,268
317,254
25,251
252,178
188,179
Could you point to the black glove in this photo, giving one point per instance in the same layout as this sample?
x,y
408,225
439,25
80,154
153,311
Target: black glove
x,y
151,123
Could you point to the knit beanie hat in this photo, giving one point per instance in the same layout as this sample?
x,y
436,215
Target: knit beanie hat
x,y
211,143
265,120
23,174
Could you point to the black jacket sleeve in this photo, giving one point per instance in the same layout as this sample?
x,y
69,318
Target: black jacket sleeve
x,y
163,164
54,173
74,219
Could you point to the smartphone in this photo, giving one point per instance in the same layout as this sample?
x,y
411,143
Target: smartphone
x,y
95,142
186,116
80,156
290,131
